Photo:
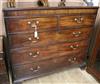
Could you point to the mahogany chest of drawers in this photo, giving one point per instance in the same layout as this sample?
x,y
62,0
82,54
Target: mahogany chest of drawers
x,y
42,40
3,70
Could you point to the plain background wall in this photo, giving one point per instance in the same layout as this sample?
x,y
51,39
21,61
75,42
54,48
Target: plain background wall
x,y
2,28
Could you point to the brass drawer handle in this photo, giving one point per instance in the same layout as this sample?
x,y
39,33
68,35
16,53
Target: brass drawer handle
x,y
30,39
72,60
34,54
29,22
69,60
74,46
77,34
33,21
37,22
1,59
79,19
36,69
34,25
33,41
36,35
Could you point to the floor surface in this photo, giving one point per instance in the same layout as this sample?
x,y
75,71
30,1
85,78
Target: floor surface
x,y
72,76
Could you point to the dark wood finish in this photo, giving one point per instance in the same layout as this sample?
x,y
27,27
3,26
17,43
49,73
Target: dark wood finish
x,y
3,71
94,60
45,39
2,67
77,20
4,79
49,10
35,54
22,25
46,65
94,73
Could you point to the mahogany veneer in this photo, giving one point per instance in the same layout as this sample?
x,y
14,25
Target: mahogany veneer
x,y
42,40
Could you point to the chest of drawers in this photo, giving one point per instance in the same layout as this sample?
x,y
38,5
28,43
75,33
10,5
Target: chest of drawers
x,y
42,40
3,70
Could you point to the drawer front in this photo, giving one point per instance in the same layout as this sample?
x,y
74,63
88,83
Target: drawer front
x,y
45,66
72,21
2,67
22,25
30,54
46,38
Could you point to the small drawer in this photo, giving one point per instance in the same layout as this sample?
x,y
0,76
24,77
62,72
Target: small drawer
x,y
45,66
81,20
2,67
46,38
29,54
24,25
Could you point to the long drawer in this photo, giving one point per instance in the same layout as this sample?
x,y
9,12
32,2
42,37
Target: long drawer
x,y
34,69
46,38
25,55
